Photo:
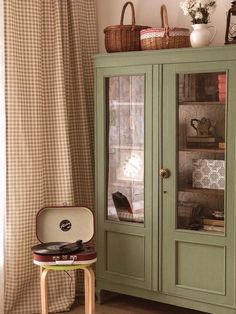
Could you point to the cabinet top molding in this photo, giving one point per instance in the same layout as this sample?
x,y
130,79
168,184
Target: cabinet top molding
x,y
167,56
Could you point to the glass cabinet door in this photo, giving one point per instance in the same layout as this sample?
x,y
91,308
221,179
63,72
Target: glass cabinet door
x,y
201,138
125,148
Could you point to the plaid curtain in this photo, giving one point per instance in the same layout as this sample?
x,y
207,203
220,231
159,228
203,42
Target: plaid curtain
x,y
49,115
2,158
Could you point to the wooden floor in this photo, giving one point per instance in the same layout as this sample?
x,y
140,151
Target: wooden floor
x,y
120,304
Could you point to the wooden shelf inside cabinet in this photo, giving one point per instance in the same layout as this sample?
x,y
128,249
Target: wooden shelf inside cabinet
x,y
117,104
139,148
201,103
203,150
202,230
127,183
205,191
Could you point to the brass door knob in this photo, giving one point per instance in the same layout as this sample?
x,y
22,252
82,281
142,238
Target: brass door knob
x,y
164,173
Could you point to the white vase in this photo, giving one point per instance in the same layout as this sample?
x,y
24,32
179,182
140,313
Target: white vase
x,y
201,36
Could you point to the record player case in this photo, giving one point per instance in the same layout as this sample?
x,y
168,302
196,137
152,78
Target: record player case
x,y
60,226
56,227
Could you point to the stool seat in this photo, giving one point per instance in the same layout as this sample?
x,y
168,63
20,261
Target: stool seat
x,y
89,284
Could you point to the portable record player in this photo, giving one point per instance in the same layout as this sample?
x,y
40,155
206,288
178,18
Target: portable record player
x,y
64,233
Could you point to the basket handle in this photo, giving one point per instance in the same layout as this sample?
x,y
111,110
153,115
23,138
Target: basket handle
x,y
164,17
165,24
123,13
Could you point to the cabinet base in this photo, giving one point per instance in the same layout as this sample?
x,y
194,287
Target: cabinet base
x,y
102,287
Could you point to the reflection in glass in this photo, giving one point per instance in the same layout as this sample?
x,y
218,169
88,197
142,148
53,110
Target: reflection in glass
x,y
125,144
201,151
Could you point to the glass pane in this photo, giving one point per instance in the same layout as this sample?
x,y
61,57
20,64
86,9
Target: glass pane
x,y
125,144
201,151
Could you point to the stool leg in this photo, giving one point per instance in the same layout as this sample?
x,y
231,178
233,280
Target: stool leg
x,y
44,290
89,288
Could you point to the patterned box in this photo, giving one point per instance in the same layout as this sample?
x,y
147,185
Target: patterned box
x,y
208,174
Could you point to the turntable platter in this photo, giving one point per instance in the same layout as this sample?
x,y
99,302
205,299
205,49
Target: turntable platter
x,y
57,248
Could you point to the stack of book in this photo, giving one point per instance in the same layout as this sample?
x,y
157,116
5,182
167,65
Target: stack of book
x,y
203,141
213,224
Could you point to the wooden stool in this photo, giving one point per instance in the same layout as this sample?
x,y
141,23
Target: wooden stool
x,y
89,285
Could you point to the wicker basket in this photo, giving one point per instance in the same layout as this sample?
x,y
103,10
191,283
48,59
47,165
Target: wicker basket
x,y
164,37
121,37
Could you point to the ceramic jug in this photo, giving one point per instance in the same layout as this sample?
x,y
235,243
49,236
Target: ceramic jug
x,y
201,36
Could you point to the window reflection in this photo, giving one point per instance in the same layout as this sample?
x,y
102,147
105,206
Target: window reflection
x,y
125,141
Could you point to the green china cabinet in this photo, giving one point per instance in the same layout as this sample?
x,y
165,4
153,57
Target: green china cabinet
x,y
165,176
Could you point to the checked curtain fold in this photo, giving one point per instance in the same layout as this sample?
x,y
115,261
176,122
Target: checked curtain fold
x,y
49,134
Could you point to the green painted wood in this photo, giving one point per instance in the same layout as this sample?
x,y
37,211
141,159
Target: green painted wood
x,y
157,124
123,252
211,262
166,56
171,236
204,306
100,167
167,276
128,229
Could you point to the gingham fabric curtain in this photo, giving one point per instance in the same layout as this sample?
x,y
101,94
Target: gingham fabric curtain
x,y
2,157
49,106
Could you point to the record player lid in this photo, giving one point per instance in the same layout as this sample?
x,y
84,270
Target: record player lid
x,y
64,224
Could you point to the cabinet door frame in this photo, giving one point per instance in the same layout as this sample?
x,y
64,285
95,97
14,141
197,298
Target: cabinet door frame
x,y
157,162
104,226
171,235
